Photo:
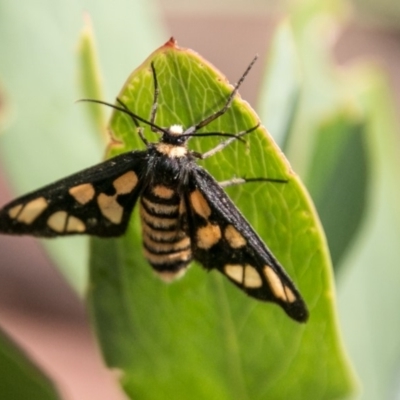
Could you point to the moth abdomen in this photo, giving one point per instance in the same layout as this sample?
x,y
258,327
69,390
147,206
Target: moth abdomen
x,y
167,246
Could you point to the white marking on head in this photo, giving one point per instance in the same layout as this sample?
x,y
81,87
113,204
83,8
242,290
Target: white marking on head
x,y
175,130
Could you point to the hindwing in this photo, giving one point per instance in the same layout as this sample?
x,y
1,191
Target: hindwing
x,y
222,239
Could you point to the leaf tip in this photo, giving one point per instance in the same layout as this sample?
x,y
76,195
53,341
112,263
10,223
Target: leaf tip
x,y
172,42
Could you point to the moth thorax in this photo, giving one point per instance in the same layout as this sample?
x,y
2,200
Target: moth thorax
x,y
175,130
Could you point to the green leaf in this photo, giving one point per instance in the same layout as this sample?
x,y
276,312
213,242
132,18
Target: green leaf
x,y
90,76
282,85
201,335
339,180
20,378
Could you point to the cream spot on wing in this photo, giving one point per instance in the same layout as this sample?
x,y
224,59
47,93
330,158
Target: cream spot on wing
x,y
200,204
163,192
252,278
32,210
110,208
126,183
234,238
278,289
169,276
82,193
235,272
75,225
14,211
207,236
290,295
57,221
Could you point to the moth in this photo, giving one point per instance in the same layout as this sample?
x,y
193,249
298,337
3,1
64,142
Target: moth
x,y
185,213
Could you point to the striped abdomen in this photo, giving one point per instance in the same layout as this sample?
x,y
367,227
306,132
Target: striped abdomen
x,y
166,244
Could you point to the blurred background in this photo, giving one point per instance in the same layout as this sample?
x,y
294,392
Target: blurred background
x,y
38,308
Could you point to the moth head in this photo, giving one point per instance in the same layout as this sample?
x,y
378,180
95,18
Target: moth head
x,y
174,135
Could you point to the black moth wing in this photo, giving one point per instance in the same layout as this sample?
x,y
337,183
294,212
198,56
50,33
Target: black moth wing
x,y
96,201
222,239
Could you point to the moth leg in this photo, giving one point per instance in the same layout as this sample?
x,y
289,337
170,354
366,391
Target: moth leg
x,y
240,181
225,143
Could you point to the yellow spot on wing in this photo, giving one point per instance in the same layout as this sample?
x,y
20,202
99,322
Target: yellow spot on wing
x,y
110,208
199,204
234,238
32,210
57,221
280,290
126,183
14,211
246,275
207,236
82,193
163,192
290,295
252,278
75,225
235,272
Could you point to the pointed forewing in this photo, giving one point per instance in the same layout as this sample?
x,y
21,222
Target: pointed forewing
x,y
96,201
224,240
